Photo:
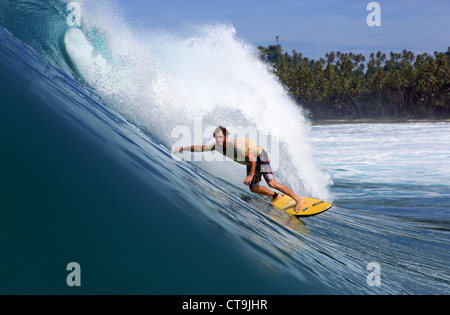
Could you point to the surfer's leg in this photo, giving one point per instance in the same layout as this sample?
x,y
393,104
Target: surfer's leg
x,y
278,186
267,172
254,185
264,191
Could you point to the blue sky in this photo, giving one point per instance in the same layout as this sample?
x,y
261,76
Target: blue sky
x,y
311,27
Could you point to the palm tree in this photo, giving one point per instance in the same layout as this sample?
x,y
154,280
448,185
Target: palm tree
x,y
346,84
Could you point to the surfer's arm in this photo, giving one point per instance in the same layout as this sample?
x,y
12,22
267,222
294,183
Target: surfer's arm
x,y
249,178
252,168
194,148
252,159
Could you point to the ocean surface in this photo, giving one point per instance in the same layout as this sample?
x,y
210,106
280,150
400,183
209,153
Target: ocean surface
x,y
90,115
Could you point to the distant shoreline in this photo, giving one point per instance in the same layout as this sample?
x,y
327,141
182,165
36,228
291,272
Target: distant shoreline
x,y
320,122
350,85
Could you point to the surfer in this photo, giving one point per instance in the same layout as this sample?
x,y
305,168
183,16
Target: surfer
x,y
246,152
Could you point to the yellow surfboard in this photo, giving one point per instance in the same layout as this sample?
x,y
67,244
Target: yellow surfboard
x,y
310,207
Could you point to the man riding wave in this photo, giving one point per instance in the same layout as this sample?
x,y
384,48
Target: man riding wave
x,y
246,152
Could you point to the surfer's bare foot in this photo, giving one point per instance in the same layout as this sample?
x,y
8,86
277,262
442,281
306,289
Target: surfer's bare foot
x,y
300,202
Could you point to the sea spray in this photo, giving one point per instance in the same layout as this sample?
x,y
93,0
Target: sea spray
x,y
207,75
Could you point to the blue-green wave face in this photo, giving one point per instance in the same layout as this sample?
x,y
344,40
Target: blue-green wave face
x,y
90,114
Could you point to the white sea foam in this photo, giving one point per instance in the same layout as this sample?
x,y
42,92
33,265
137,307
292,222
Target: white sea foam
x,y
205,76
387,154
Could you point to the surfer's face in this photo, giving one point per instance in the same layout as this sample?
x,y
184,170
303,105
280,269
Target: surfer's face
x,y
220,139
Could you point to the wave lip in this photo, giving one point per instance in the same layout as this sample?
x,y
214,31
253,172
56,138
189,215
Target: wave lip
x,y
162,81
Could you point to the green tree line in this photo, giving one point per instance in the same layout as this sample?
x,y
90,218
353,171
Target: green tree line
x,y
347,85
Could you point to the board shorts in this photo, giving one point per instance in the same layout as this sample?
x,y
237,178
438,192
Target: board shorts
x,y
262,168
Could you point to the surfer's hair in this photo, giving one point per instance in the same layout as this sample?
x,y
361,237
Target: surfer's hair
x,y
219,129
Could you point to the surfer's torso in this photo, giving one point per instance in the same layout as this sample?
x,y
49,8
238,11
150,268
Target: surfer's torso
x,y
239,150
